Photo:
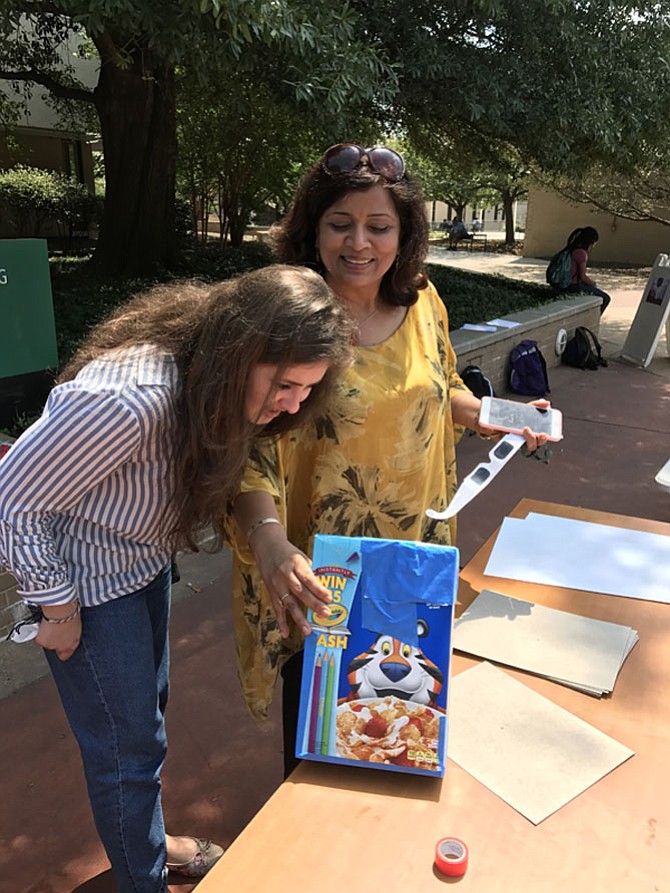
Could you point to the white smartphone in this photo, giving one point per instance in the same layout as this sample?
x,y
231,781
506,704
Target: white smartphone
x,y
509,415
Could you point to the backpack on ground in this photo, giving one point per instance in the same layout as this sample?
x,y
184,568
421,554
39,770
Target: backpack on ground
x,y
528,370
477,382
559,271
583,350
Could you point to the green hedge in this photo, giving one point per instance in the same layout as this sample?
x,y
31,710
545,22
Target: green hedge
x,y
476,297
82,299
30,198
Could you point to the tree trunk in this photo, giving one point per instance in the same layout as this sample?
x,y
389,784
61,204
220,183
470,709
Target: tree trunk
x,y
510,223
238,226
136,106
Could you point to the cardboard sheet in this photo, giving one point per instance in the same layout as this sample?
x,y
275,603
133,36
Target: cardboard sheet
x,y
577,651
528,751
581,555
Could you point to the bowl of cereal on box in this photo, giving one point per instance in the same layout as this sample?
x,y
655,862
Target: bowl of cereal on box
x,y
389,730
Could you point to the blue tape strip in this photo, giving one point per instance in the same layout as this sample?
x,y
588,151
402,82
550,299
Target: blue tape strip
x,y
396,577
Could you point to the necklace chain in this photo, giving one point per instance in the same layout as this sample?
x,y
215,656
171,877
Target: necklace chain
x,y
369,316
365,319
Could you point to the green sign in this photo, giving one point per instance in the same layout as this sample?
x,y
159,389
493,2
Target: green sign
x,y
27,331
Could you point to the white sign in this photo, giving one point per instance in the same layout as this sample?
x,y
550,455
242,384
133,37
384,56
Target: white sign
x,y
652,314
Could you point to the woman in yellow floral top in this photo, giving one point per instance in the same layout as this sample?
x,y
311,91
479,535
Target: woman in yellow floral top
x,y
385,452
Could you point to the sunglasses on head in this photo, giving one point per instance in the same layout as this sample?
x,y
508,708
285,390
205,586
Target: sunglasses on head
x,y
346,157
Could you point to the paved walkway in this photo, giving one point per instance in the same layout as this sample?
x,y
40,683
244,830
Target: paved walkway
x,y
222,766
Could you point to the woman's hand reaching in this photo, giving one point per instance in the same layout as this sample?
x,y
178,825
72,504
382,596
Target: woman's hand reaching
x,y
287,573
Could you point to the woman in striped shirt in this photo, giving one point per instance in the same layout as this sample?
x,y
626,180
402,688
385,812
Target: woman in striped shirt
x,y
140,447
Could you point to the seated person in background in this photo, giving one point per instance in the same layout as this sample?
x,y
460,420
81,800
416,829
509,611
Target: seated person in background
x,y
458,232
580,242
477,225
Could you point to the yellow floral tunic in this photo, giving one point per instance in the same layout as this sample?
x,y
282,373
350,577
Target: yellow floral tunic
x,y
371,467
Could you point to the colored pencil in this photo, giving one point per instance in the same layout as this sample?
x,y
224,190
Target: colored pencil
x,y
328,706
314,707
322,702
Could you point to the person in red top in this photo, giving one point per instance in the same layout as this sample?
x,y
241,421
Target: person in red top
x,y
580,242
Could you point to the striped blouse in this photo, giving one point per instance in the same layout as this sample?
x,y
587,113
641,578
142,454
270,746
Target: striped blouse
x,y
85,491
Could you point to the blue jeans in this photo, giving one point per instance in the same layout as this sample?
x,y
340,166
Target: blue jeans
x,y
582,288
114,690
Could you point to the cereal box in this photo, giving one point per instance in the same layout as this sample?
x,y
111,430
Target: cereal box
x,y
376,672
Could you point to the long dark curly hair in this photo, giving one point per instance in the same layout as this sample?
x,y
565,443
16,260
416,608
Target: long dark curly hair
x,y
280,315
294,237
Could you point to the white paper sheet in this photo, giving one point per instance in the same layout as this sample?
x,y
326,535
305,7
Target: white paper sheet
x,y
502,323
478,327
581,555
528,751
577,651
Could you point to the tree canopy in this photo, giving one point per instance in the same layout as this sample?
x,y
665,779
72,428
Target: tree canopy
x,y
566,83
322,62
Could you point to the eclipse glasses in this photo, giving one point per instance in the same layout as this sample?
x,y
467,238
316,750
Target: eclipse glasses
x,y
481,476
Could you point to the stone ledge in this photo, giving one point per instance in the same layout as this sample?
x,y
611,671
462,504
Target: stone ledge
x,y
11,606
490,350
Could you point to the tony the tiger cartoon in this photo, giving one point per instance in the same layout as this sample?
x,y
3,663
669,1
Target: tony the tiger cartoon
x,y
392,667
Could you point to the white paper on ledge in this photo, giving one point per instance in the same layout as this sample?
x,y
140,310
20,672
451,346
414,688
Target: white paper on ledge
x,y
581,555
531,753
580,652
477,327
502,323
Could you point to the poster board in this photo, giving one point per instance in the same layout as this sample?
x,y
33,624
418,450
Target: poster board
x,y
652,314
27,334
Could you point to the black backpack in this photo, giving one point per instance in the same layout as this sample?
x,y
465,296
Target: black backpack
x,y
528,370
583,350
477,382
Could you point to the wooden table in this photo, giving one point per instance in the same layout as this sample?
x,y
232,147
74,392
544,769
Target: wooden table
x,y
334,829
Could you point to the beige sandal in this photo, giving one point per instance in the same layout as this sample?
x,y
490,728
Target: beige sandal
x,y
208,854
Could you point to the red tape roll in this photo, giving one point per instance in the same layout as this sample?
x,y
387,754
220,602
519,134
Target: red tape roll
x,y
451,857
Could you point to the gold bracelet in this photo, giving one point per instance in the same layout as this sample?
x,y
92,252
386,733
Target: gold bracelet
x,y
254,527
65,619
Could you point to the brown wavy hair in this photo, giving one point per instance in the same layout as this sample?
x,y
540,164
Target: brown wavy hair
x,y
294,237
280,315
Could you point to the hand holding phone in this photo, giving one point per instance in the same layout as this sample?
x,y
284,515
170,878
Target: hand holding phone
x,y
512,416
